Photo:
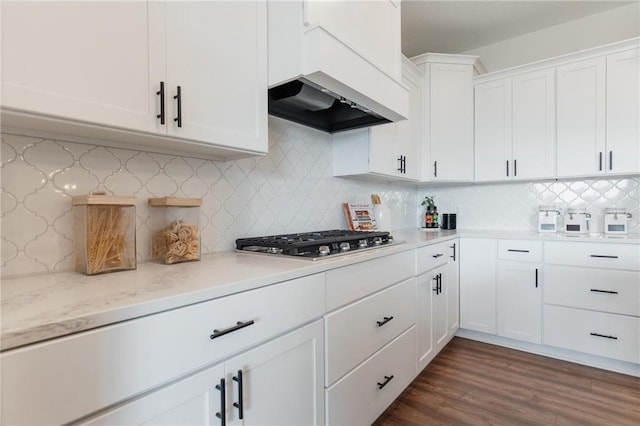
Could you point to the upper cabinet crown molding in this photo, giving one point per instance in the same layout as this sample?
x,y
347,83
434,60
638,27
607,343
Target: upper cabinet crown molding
x,y
65,72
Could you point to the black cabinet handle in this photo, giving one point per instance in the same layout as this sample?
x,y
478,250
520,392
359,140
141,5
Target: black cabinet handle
x,y
515,167
518,251
404,164
386,320
435,169
604,335
439,283
454,252
238,326
507,168
222,414
239,405
437,288
161,94
600,161
595,290
437,255
604,256
178,98
536,277
387,379
610,160
400,161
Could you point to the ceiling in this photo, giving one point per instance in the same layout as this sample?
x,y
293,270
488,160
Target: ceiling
x,y
458,26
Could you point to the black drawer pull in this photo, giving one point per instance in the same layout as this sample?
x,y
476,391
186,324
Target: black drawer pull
x,y
604,256
387,379
240,404
178,98
386,320
222,414
161,94
454,252
536,277
238,326
437,255
518,251
595,290
604,335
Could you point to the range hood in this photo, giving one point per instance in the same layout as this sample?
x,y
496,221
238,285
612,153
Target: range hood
x,y
320,82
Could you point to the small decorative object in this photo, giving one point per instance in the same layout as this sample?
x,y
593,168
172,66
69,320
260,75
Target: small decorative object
x,y
175,230
381,213
105,233
360,216
431,218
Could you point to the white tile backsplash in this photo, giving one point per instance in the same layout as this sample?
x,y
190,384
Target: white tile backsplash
x,y
289,190
514,205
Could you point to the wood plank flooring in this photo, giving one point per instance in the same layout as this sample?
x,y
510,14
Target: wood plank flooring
x,y
474,383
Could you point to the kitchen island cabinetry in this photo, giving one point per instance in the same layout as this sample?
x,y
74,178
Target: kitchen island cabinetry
x,y
597,116
447,116
515,127
279,382
176,87
392,150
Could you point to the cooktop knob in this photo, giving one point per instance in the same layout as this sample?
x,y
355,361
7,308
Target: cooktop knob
x,y
362,243
345,247
324,250
377,241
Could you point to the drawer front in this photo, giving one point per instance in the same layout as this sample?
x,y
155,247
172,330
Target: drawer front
x,y
345,285
435,255
357,399
76,375
356,331
600,255
522,250
604,290
596,333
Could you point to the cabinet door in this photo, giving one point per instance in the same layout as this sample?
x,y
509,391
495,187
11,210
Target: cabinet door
x,y
580,118
493,130
424,332
409,132
478,284
623,112
382,150
192,401
453,288
95,62
216,54
440,281
450,121
533,125
282,381
520,301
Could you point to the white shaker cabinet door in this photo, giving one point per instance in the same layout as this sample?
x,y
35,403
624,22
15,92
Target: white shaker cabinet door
x,y
519,313
478,284
424,323
216,54
493,130
581,118
533,125
96,62
623,112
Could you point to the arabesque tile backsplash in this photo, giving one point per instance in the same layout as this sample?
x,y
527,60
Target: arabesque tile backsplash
x,y
289,190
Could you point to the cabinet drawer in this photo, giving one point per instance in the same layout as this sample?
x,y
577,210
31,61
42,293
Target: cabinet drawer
x,y
357,399
78,374
345,285
358,330
522,250
606,290
432,256
601,255
597,333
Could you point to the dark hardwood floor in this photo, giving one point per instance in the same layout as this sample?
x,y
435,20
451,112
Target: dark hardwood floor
x,y
473,383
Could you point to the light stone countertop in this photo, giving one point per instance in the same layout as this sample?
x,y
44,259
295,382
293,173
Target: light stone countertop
x,y
41,307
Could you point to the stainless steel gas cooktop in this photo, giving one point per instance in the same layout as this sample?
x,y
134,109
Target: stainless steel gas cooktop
x,y
316,245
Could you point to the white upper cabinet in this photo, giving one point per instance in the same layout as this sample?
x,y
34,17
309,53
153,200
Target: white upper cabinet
x,y
67,60
392,150
447,116
110,71
623,112
598,115
515,127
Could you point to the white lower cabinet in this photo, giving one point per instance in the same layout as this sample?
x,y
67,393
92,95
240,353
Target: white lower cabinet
x,y
279,382
478,284
362,395
519,314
